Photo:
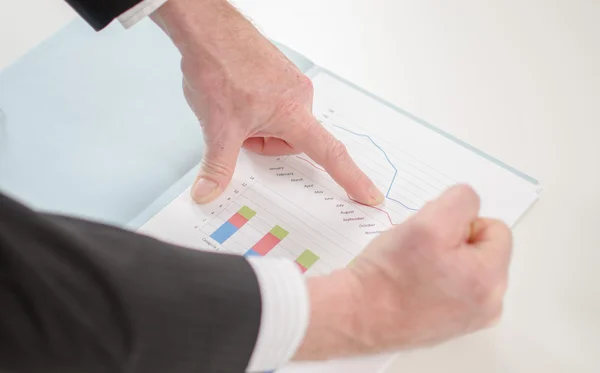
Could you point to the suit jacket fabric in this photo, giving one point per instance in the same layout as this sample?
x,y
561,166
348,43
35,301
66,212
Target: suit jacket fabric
x,y
99,13
76,296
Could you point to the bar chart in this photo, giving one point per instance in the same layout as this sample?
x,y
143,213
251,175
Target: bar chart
x,y
306,260
237,221
258,221
266,245
267,242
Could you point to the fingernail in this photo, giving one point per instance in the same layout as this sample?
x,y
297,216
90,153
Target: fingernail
x,y
376,196
204,190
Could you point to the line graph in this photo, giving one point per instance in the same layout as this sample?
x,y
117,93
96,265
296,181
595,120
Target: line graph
x,y
387,193
311,163
388,160
375,208
407,181
437,177
350,198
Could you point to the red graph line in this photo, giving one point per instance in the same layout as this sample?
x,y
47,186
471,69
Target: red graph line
x,y
373,207
350,198
310,163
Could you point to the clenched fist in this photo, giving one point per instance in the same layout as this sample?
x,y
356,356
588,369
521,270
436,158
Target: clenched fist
x,y
441,274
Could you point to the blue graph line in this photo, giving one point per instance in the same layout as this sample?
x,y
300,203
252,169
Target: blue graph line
x,y
387,194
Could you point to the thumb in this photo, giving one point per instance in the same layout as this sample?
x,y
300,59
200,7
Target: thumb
x,y
218,165
451,214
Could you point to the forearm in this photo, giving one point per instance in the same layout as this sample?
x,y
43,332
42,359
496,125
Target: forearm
x,y
78,296
216,40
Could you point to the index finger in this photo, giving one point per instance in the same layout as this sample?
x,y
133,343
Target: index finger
x,y
332,155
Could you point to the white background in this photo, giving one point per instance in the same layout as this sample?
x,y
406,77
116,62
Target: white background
x,y
517,79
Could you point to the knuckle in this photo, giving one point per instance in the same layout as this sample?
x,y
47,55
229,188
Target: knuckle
x,y
466,190
338,150
502,242
216,168
305,85
297,95
290,104
466,193
357,177
292,111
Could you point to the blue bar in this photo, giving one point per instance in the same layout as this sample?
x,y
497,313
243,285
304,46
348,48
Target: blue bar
x,y
224,232
251,253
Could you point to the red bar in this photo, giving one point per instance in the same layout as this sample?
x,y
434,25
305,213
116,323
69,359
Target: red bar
x,y
301,267
237,220
266,244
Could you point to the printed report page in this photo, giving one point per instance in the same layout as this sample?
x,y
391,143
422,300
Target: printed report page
x,y
288,207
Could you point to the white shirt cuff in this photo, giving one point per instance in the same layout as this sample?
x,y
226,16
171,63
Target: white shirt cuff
x,y
139,12
285,313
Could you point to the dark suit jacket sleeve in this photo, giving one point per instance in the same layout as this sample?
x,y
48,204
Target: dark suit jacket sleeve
x,y
82,297
99,13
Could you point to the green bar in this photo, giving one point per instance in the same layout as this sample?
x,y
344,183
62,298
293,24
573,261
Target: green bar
x,y
279,232
307,259
247,212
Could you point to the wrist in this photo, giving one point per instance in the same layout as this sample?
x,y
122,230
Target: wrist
x,y
336,326
200,26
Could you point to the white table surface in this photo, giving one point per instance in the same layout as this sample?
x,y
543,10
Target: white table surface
x,y
519,80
